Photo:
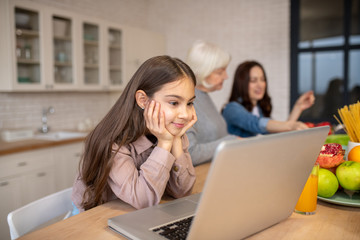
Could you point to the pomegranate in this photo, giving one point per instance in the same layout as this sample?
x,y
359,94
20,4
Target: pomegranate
x,y
331,156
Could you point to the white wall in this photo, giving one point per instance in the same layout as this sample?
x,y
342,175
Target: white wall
x,y
256,29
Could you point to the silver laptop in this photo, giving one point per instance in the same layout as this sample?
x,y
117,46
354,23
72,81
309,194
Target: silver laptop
x,y
251,185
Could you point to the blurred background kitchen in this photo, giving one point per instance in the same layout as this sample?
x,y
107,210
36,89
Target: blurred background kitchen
x,y
63,63
302,44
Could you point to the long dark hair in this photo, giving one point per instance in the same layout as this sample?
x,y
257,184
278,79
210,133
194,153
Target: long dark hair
x,y
240,88
123,124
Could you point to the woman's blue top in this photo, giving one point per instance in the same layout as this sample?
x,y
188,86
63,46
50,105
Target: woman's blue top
x,y
243,123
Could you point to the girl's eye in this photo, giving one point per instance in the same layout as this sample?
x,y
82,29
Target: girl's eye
x,y
173,103
190,104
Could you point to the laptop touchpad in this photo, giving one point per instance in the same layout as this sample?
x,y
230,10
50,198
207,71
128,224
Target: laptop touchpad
x,y
180,208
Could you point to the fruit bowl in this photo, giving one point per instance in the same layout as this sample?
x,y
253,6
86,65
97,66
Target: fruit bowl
x,y
344,198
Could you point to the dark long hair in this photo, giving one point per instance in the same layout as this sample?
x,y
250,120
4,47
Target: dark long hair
x,y
240,88
123,124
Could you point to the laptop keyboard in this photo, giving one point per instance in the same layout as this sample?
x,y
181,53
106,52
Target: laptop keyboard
x,y
175,230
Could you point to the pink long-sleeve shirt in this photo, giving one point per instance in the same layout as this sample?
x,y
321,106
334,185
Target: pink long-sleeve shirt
x,y
141,173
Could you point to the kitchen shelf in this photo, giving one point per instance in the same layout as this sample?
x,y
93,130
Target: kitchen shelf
x,y
26,33
63,64
28,61
63,38
91,43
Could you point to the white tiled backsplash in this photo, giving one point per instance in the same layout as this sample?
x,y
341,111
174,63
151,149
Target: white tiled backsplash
x,y
24,110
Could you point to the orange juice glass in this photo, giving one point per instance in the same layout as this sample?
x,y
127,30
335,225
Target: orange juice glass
x,y
308,199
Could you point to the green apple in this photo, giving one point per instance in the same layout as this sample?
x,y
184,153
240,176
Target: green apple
x,y
348,174
328,183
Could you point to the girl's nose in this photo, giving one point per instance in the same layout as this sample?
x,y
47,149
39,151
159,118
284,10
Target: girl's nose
x,y
184,112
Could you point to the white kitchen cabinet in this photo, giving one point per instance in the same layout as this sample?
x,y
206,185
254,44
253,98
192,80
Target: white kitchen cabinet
x,y
21,48
30,175
67,164
24,177
10,192
59,46
50,49
38,184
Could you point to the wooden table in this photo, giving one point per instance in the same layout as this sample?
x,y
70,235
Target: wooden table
x,y
329,222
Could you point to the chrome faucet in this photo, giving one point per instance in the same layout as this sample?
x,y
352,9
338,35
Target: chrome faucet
x,y
45,128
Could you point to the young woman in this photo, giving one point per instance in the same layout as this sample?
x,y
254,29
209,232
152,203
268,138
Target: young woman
x,y
139,150
249,108
209,63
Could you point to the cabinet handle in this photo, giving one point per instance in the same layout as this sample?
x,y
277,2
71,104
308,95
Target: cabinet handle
x,y
3,184
41,174
21,164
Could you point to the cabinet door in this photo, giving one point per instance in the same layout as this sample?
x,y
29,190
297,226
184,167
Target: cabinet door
x,y
38,184
67,160
90,46
62,51
28,41
140,45
10,192
114,74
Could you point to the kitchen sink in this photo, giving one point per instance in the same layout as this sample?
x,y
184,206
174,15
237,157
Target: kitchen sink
x,y
60,135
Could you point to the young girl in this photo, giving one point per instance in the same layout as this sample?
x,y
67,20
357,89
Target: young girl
x,y
139,150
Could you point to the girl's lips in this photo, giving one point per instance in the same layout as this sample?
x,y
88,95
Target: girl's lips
x,y
179,125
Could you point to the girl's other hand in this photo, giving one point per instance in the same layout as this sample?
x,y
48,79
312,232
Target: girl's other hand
x,y
155,122
189,124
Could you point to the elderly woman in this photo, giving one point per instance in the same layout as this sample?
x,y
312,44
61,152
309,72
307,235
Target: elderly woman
x,y
209,63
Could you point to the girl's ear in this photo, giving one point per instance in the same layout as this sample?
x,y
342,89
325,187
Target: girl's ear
x,y
141,98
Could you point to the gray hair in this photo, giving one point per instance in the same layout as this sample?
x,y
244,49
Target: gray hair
x,y
204,57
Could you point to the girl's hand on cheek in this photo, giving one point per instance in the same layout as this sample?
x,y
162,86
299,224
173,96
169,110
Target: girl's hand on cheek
x,y
177,149
155,122
189,124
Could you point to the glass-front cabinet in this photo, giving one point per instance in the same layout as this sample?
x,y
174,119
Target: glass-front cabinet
x,y
27,46
62,50
46,48
115,56
49,49
91,55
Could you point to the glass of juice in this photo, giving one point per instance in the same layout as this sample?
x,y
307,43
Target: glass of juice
x,y
308,199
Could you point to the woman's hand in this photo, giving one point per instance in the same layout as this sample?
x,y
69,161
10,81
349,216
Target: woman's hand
x,y
274,126
155,122
298,125
306,100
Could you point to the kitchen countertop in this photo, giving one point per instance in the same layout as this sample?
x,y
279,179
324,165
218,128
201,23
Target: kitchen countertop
x,y
32,144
